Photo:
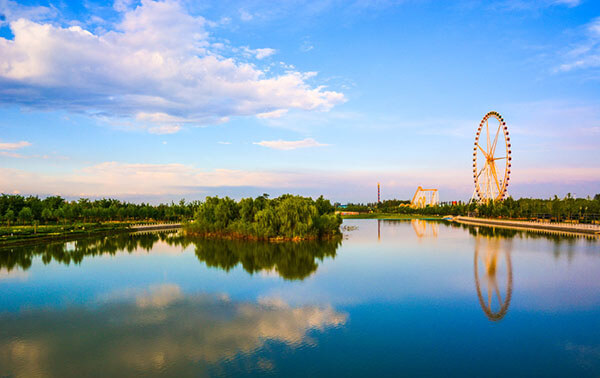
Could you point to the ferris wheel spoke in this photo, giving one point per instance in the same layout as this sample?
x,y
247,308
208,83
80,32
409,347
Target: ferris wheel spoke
x,y
483,151
490,179
498,158
495,140
498,294
487,127
495,177
480,172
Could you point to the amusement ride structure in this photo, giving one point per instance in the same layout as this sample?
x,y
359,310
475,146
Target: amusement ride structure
x,y
424,198
491,159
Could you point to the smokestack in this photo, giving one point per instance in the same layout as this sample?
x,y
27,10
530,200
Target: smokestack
x,y
378,193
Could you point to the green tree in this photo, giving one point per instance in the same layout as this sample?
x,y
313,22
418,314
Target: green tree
x,y
25,215
47,214
9,216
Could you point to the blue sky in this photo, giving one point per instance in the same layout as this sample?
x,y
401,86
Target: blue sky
x,y
153,101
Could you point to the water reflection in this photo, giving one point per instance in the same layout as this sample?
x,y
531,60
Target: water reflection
x,y
289,260
151,331
493,275
424,228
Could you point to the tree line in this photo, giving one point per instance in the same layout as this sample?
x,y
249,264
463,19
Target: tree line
x,y
555,209
287,216
55,209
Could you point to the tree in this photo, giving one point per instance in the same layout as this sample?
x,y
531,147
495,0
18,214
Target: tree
x,y
47,214
324,206
25,215
9,216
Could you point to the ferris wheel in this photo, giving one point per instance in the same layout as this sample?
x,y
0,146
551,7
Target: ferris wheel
x,y
491,159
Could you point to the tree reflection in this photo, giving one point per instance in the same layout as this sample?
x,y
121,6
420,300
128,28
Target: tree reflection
x,y
290,260
493,275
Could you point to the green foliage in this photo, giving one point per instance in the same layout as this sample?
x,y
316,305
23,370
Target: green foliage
x,y
289,217
554,209
25,215
56,209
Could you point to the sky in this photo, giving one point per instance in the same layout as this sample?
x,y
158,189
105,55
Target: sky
x,y
160,100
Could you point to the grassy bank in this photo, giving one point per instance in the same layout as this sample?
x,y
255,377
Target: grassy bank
x,y
390,216
17,235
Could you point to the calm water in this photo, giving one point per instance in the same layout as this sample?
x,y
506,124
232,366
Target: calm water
x,y
392,298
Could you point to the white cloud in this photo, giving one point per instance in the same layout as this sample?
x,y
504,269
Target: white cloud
x,y
125,180
122,5
257,53
274,114
156,63
533,4
306,46
164,129
290,144
245,16
14,145
586,54
569,3
263,53
12,11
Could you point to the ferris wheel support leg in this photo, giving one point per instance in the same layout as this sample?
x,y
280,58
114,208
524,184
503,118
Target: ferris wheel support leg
x,y
473,197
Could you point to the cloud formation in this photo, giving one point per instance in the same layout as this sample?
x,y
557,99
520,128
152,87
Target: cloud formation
x,y
158,60
141,181
534,4
14,146
290,144
587,53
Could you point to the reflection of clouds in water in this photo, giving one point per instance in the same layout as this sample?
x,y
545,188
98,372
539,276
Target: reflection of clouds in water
x,y
157,329
161,247
15,274
269,273
154,296
159,296
587,356
26,356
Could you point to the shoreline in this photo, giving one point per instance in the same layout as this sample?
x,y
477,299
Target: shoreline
x,y
392,216
526,225
101,230
274,239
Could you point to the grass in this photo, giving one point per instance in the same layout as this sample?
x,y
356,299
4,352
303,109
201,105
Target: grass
x,y
19,234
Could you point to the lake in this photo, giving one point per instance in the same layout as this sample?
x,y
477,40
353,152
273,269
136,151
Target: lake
x,y
392,298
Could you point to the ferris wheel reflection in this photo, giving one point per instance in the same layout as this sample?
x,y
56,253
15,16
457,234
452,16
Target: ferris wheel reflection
x,y
493,275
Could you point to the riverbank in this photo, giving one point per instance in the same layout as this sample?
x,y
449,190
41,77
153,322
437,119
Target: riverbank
x,y
29,234
248,237
391,216
577,228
